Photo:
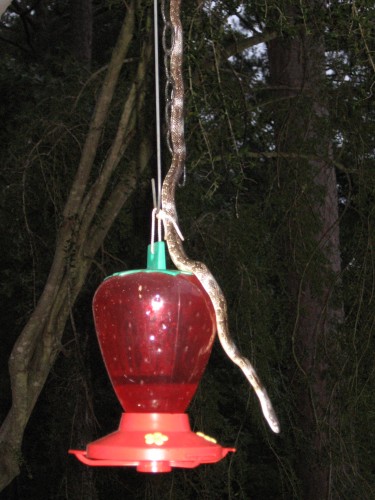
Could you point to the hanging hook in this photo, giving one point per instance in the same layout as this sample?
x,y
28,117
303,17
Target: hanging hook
x,y
154,217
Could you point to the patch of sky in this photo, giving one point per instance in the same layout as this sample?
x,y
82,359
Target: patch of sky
x,y
257,51
339,138
207,117
337,63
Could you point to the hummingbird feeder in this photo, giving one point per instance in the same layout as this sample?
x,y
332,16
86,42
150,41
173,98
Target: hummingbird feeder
x,y
155,328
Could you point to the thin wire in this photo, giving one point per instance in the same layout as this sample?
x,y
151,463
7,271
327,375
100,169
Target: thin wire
x,y
153,217
154,200
157,98
159,216
162,216
155,211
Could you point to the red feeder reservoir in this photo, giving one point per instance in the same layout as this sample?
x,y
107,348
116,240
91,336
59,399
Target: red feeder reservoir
x,y
155,328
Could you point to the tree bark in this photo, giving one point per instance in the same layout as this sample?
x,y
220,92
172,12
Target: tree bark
x,y
312,248
78,240
4,4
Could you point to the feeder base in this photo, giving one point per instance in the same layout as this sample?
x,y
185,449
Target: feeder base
x,y
153,442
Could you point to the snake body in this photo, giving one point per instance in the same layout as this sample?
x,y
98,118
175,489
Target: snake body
x,y
169,216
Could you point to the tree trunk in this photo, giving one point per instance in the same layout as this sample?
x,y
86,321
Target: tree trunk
x,y
311,242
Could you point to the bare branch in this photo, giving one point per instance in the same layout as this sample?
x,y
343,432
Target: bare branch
x,y
100,115
241,45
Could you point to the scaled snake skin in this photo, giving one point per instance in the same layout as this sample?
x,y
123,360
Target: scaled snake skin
x,y
170,218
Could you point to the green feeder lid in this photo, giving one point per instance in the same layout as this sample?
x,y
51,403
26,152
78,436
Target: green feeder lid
x,y
156,262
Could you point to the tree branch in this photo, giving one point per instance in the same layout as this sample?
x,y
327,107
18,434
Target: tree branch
x,y
39,342
239,46
100,115
4,4
124,133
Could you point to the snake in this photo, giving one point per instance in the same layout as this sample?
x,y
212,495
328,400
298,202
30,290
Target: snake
x,y
169,216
